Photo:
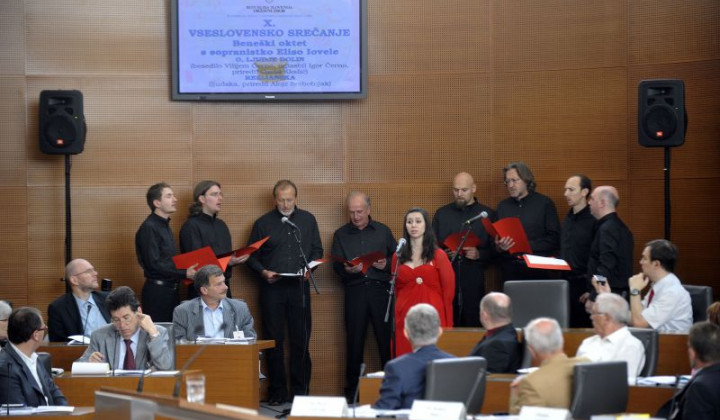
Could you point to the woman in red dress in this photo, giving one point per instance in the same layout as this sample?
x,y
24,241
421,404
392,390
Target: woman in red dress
x,y
425,276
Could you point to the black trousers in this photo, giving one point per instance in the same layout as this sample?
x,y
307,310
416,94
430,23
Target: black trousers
x,y
470,282
281,305
159,301
365,303
579,318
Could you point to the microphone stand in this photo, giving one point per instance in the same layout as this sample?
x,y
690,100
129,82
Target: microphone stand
x,y
467,228
390,311
306,339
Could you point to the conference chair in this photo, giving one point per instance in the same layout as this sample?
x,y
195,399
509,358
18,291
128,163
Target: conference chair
x,y
701,297
649,338
599,388
171,340
45,360
539,298
526,360
457,379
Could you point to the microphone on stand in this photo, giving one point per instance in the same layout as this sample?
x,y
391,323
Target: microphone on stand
x,y
357,388
482,215
400,245
87,318
288,222
176,390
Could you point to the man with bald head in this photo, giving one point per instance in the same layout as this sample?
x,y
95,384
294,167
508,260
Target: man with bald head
x,y
611,252
366,287
470,265
82,310
500,345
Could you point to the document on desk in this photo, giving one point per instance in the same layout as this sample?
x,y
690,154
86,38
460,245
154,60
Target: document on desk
x,y
131,372
164,373
660,380
24,411
366,411
212,340
78,340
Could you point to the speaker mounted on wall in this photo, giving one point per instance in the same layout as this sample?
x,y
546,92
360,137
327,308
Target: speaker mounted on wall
x,y
662,119
62,123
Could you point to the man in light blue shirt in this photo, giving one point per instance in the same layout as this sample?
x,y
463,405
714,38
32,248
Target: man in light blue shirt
x,y
212,314
82,310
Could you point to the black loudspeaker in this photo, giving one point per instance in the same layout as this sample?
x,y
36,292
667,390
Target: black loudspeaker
x,y
62,123
662,120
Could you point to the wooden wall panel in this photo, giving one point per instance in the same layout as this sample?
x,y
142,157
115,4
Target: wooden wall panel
x,y
668,31
13,167
428,36
12,38
462,85
558,34
87,37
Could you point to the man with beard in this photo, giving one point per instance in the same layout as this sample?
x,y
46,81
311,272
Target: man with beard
x,y
470,265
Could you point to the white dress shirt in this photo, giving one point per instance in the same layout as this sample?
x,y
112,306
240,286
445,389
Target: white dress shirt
x,y
618,346
671,307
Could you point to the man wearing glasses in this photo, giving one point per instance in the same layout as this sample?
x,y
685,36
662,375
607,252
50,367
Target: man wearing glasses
x,y
22,379
538,216
5,310
82,310
132,341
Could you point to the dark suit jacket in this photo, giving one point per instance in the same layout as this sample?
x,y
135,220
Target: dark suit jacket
x,y
502,350
404,379
23,387
700,399
64,317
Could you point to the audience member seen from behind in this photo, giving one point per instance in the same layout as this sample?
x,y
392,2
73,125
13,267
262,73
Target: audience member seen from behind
x,y
713,313
22,379
500,345
424,276
551,384
132,341
404,380
613,340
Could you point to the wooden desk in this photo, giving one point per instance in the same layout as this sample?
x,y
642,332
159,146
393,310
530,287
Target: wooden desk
x,y
80,389
80,413
63,355
231,371
641,399
672,358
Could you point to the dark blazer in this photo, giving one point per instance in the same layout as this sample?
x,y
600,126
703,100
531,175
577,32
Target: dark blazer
x,y
64,317
502,350
404,380
188,319
25,389
700,398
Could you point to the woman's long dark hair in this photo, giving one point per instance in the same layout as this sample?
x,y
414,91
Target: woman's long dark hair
x,y
429,244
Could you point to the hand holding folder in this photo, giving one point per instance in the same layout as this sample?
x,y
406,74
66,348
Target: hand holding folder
x,y
452,241
366,260
510,227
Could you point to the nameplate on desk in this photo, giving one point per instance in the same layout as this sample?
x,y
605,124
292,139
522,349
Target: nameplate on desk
x,y
304,406
432,410
544,413
89,368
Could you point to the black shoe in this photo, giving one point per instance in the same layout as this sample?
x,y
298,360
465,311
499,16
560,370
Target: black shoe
x,y
276,401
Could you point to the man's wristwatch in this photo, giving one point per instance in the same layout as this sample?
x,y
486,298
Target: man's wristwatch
x,y
634,292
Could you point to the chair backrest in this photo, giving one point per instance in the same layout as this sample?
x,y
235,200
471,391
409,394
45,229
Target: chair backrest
x,y
526,361
649,338
599,388
171,340
45,360
701,297
535,298
457,379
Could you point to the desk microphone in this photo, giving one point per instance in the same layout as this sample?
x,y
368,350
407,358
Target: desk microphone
x,y
357,388
176,390
288,222
8,389
673,401
482,215
87,318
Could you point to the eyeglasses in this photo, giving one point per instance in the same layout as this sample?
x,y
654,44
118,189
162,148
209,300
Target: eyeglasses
x,y
512,181
88,271
125,319
4,320
43,329
215,194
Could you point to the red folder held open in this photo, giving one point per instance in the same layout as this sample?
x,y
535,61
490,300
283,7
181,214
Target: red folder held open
x,y
512,227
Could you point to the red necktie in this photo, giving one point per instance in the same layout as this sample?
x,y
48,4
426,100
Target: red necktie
x,y
129,363
652,293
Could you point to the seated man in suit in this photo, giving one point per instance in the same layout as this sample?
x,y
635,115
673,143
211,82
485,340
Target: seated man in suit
x,y
500,345
82,310
404,380
700,398
551,385
613,341
28,382
5,310
132,341
204,315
